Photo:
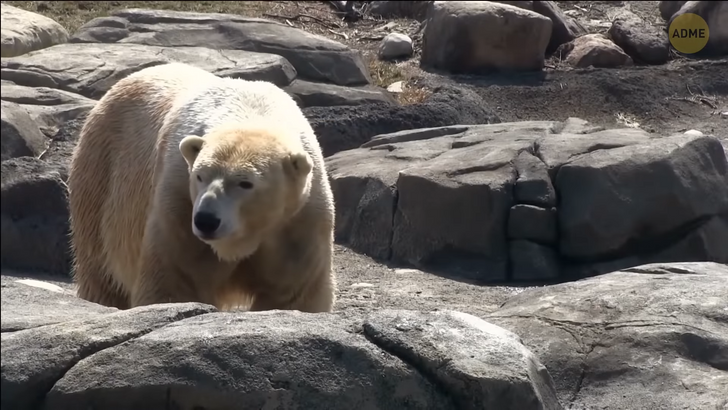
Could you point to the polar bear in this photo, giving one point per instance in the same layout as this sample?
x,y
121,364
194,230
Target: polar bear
x,y
188,187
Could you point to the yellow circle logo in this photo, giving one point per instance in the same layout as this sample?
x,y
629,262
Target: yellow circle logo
x,y
688,33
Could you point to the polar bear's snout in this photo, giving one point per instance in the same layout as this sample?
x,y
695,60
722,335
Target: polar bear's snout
x,y
206,223
213,215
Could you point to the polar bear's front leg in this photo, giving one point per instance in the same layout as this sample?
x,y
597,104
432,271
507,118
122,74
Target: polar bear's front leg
x,y
293,274
162,279
317,297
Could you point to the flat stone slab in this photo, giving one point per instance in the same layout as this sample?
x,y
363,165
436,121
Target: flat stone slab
x,y
316,58
91,69
49,108
310,94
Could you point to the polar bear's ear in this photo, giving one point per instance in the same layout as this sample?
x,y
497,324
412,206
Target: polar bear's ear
x,y
190,146
299,163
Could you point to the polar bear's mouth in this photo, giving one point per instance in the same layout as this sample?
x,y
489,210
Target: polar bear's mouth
x,y
231,250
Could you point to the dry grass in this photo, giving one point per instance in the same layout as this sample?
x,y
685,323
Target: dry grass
x,y
313,16
386,73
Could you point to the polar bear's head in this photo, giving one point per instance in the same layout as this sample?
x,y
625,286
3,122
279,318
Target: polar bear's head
x,y
244,184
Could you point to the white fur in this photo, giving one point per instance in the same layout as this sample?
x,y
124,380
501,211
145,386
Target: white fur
x,y
133,191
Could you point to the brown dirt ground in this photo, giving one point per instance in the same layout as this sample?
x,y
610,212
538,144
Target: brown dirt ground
x,y
365,285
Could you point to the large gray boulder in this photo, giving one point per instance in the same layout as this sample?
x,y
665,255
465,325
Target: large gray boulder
x,y
24,31
615,201
477,36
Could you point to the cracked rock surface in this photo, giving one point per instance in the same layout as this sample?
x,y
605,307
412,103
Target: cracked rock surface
x,y
648,337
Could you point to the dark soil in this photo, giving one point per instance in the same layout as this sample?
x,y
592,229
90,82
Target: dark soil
x,y
670,98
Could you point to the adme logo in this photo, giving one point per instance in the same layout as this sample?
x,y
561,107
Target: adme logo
x,y
688,33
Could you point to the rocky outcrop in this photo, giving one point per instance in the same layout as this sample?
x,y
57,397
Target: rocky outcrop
x,y
107,49
91,69
532,200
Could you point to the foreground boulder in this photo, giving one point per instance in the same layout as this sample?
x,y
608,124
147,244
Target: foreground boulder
x,y
30,303
188,355
24,31
481,200
602,342
474,36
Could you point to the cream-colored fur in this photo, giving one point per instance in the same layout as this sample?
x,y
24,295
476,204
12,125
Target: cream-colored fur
x,y
134,187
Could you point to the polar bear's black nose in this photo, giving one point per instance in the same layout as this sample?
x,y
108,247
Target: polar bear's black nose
x,y
206,222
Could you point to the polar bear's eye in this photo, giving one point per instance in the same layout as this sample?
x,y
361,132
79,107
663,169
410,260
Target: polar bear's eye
x,y
199,178
245,184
